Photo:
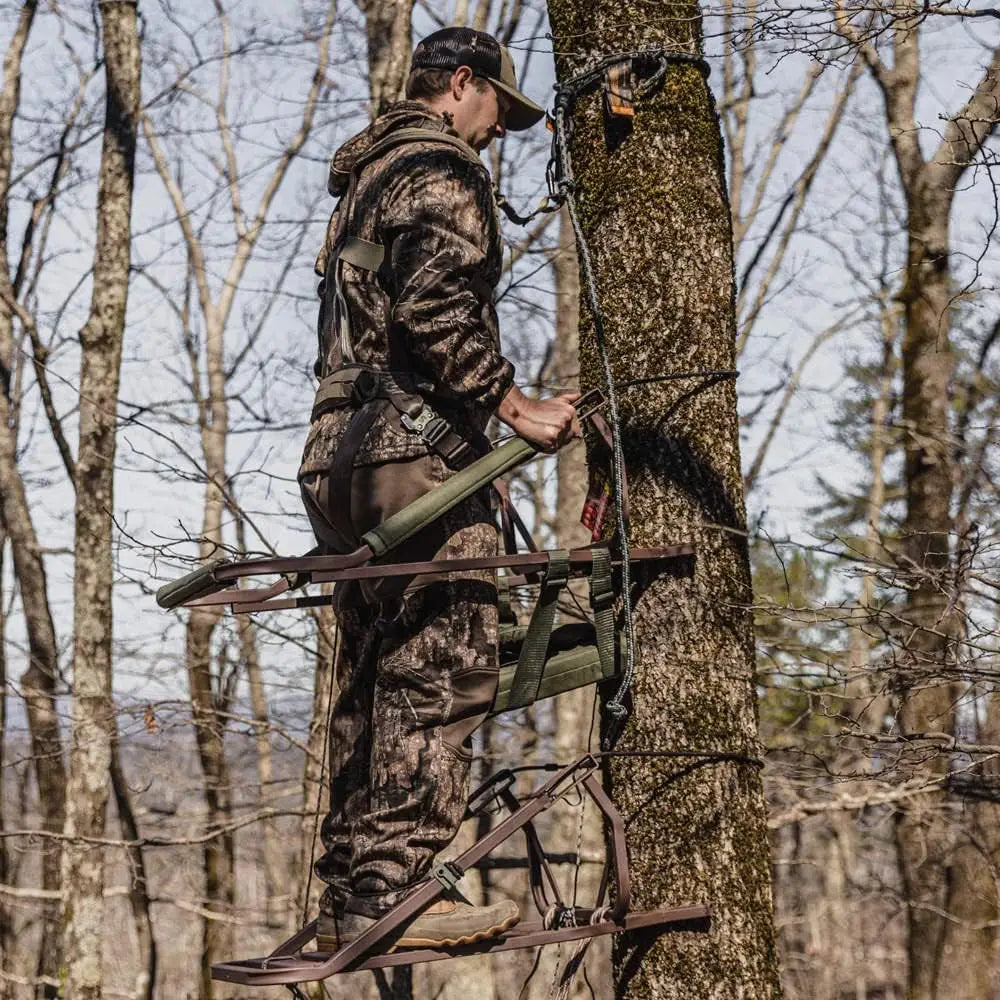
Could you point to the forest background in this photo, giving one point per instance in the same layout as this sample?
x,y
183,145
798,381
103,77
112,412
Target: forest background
x,y
843,136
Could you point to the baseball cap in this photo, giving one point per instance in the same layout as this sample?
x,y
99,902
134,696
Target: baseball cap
x,y
450,48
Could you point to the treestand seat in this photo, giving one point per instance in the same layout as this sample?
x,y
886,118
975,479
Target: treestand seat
x,y
538,660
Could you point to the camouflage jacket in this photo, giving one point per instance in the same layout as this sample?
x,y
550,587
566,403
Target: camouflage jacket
x,y
429,310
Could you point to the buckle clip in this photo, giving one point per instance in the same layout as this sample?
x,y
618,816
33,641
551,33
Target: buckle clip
x,y
431,427
448,874
418,423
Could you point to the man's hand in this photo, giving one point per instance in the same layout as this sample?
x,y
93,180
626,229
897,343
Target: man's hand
x,y
546,423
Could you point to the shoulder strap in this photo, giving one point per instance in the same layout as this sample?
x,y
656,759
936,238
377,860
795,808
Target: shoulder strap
x,y
403,136
362,253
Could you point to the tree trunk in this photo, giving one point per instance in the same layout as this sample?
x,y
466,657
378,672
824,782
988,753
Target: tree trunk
x,y
387,27
6,923
666,286
145,976
101,349
209,728
935,866
275,885
39,680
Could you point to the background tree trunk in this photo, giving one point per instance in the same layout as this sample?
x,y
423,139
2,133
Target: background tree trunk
x,y
390,45
950,953
101,351
667,290
39,682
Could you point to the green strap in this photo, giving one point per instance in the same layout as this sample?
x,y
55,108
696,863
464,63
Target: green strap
x,y
602,604
428,508
531,662
362,253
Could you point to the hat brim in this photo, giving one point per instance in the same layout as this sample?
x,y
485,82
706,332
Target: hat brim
x,y
523,112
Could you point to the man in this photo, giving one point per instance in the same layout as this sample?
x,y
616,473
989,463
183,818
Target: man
x,y
411,371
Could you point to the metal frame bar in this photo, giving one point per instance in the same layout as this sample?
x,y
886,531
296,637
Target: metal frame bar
x,y
288,963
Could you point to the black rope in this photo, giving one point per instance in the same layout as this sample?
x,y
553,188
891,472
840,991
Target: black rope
x,y
652,65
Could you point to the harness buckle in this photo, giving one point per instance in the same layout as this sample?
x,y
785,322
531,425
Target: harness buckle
x,y
428,424
418,423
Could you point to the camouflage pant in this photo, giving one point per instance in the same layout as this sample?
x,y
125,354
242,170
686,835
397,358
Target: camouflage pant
x,y
416,676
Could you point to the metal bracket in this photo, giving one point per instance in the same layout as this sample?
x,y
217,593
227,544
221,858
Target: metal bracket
x,y
448,874
418,423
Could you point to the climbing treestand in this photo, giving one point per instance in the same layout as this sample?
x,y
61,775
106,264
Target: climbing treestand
x,y
537,660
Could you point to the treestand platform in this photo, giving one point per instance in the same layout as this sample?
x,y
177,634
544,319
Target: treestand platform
x,y
292,963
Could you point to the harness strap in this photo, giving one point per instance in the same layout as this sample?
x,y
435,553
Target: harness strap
x,y
362,253
356,385
602,604
342,470
531,662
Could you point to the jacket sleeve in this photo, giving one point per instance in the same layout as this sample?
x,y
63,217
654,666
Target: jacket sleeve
x,y
440,228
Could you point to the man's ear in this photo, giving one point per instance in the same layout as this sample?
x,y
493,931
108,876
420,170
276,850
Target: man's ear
x,y
460,79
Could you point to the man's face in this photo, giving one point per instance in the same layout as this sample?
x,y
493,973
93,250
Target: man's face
x,y
480,113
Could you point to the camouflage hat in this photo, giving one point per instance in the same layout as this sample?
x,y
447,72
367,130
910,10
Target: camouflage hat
x,y
450,48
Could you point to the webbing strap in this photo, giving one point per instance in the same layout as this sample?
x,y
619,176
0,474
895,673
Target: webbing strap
x,y
402,136
531,662
406,523
362,253
602,604
341,475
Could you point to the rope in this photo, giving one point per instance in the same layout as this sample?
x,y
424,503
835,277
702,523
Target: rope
x,y
562,181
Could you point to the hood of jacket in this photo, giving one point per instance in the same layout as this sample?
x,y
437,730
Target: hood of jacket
x,y
403,114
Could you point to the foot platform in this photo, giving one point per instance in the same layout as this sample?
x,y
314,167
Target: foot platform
x,y
293,961
308,966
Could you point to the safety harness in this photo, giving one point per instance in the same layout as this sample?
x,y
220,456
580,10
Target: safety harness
x,y
367,389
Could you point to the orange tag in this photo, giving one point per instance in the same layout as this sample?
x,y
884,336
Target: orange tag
x,y
618,90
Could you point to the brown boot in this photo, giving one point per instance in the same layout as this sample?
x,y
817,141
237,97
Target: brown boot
x,y
444,924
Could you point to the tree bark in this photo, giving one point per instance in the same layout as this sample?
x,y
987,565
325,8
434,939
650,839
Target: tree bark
x,y
145,976
101,350
6,923
666,285
387,28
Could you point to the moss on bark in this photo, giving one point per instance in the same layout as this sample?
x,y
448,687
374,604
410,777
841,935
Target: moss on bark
x,y
655,212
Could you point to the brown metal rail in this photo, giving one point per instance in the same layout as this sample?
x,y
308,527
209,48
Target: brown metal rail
x,y
290,963
218,583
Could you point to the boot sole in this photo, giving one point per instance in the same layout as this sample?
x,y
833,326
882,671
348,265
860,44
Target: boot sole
x,y
328,944
473,938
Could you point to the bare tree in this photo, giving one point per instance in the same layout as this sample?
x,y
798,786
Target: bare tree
x,y
210,380
40,682
101,350
946,953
